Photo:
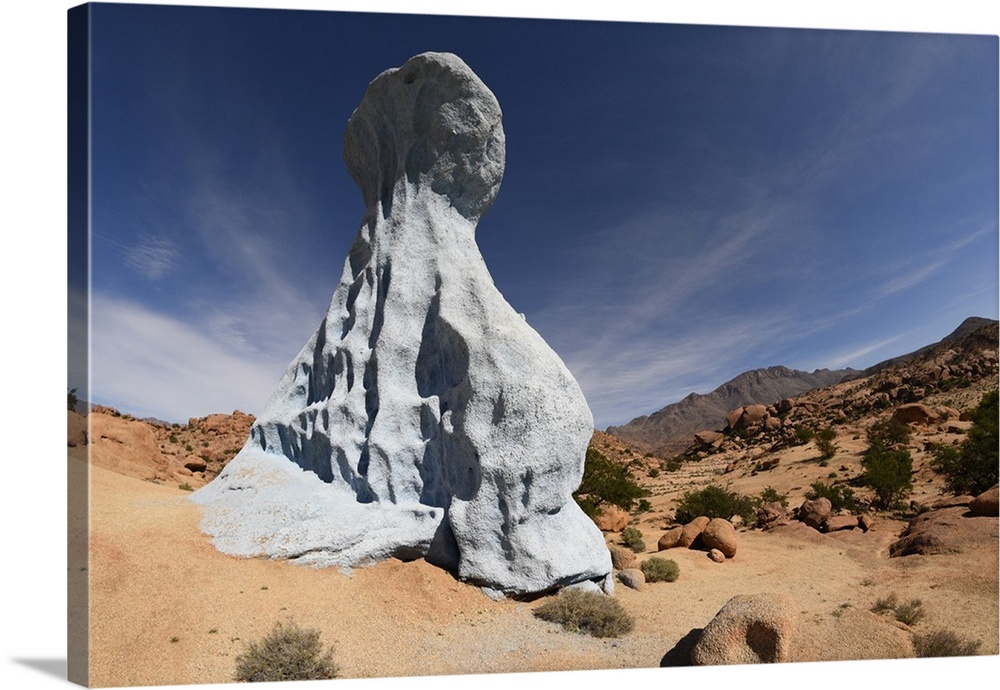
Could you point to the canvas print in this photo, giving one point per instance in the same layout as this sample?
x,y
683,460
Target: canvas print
x,y
413,346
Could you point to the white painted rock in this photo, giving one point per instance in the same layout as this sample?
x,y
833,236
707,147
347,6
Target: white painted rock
x,y
424,417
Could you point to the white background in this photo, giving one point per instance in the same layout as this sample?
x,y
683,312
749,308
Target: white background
x,y
33,213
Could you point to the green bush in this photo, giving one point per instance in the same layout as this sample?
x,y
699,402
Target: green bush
x,y
771,495
890,431
714,501
672,465
804,434
972,467
287,653
658,569
840,497
71,400
887,472
632,538
940,643
606,483
591,613
824,442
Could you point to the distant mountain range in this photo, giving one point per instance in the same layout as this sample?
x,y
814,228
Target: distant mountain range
x,y
668,430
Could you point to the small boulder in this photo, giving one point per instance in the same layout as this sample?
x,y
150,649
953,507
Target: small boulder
x,y
839,522
692,531
708,439
986,503
621,558
749,629
632,578
721,535
612,519
866,522
770,515
733,418
195,464
915,413
670,538
814,513
753,414
716,556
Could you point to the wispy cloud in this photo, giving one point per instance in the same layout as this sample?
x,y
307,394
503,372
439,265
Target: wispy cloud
x,y
153,257
150,363
857,353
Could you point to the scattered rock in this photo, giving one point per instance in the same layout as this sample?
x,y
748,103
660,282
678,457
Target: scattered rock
x,y
691,531
670,539
749,629
632,578
839,522
987,504
915,413
866,522
717,556
612,519
621,557
195,464
949,530
815,512
720,535
709,439
770,515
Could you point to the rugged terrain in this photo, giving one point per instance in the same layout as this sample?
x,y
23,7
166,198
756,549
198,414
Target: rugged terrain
x,y
668,430
166,607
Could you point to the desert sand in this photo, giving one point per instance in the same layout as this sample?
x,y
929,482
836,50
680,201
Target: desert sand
x,y
167,608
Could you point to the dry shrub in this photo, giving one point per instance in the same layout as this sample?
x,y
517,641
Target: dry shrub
x,y
591,613
287,653
940,643
658,569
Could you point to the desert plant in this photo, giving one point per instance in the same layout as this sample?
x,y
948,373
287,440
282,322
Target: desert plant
x,y
972,467
824,442
288,652
185,487
591,613
940,643
71,400
632,538
911,613
658,569
890,431
643,506
771,495
840,497
606,482
714,501
886,603
887,472
804,434
672,465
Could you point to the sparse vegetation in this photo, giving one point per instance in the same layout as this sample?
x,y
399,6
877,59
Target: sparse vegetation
x,y
714,501
804,434
908,614
840,497
673,464
890,431
71,400
632,538
591,613
824,442
658,569
911,613
887,472
972,467
185,487
941,643
606,483
771,495
288,652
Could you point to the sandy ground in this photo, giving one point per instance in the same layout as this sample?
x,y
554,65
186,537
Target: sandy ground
x,y
167,608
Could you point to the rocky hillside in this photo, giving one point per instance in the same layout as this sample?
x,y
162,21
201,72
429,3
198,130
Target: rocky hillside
x,y
191,454
669,430
931,387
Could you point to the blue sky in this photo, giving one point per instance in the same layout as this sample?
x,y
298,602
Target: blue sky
x,y
680,203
